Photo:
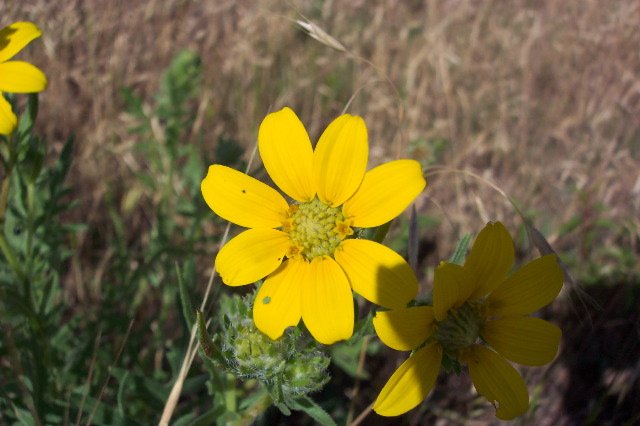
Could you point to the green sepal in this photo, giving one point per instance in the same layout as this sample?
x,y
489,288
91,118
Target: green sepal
x,y
451,364
381,232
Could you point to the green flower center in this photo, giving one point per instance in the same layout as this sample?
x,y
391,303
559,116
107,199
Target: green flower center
x,y
461,328
316,229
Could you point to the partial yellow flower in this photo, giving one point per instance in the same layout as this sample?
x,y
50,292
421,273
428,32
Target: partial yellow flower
x,y
17,76
475,306
305,245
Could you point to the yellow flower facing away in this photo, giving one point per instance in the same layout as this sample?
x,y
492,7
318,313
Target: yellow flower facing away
x,y
475,306
305,247
17,76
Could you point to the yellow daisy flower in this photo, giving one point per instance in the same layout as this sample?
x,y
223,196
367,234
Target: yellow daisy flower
x,y
474,305
303,247
17,76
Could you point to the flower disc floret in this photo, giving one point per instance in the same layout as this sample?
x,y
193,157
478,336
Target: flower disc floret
x,y
460,329
316,229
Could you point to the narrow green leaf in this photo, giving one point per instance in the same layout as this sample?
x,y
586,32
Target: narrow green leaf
x,y
412,250
283,408
185,300
187,420
33,106
23,416
26,120
314,411
120,396
209,349
459,254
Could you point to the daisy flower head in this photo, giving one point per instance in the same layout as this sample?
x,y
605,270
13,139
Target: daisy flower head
x,y
480,317
304,244
17,76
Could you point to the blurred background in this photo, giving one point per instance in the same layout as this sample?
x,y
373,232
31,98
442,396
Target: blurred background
x,y
535,100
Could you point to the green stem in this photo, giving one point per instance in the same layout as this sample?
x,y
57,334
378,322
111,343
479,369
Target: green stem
x,y
4,194
30,229
230,394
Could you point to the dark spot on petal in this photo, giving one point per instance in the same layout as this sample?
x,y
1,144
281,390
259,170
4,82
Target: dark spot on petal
x,y
244,191
266,300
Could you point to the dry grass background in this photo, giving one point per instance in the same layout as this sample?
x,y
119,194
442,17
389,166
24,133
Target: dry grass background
x,y
540,97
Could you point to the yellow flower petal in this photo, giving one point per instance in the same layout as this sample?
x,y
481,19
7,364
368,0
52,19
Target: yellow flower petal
x,y
327,302
490,258
251,255
495,379
411,382
525,340
452,286
404,329
21,77
278,303
14,37
287,155
243,200
533,286
8,120
377,273
340,159
384,193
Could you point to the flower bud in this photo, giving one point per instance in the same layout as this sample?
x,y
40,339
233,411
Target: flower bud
x,y
290,367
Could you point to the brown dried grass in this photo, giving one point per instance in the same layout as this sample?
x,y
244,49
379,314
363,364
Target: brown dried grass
x,y
542,98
